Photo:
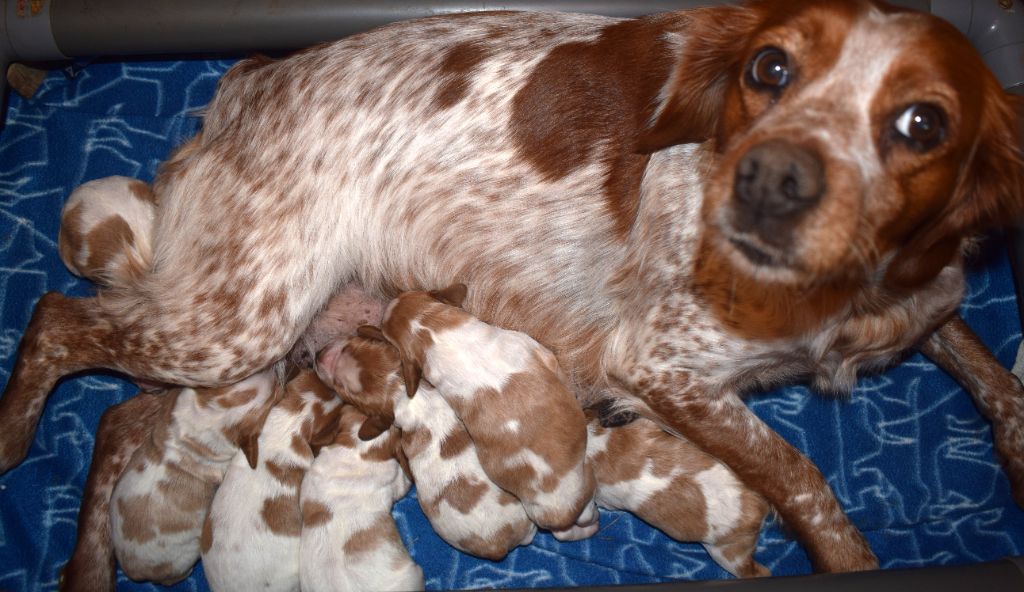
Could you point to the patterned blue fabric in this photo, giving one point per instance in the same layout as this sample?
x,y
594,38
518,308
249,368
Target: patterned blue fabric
x,y
907,454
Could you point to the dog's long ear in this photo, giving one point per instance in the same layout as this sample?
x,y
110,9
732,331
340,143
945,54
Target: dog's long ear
x,y
709,51
374,426
326,431
371,332
453,295
412,372
989,194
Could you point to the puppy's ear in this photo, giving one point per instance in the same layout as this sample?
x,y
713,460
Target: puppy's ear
x,y
453,295
327,431
374,426
708,50
250,447
371,332
412,372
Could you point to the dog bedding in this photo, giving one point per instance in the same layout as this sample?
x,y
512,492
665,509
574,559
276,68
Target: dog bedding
x,y
908,455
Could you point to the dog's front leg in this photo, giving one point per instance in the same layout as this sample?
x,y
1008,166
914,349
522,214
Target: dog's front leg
x,y
955,348
723,426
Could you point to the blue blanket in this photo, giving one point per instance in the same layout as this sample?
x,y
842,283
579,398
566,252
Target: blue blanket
x,y
908,455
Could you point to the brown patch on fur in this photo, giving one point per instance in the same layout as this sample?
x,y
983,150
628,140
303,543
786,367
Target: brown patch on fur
x,y
143,192
300,447
70,237
230,397
679,510
139,525
282,515
382,531
455,442
462,495
493,547
184,489
456,72
414,443
206,538
315,514
286,474
107,240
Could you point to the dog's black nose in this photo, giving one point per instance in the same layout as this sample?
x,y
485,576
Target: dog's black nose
x,y
776,181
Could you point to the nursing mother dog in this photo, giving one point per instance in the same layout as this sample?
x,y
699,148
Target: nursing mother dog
x,y
684,208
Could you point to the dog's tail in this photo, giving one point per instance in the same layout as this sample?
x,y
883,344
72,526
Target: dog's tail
x,y
106,230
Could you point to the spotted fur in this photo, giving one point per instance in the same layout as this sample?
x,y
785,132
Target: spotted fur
x,y
674,486
578,173
349,539
162,497
251,537
463,505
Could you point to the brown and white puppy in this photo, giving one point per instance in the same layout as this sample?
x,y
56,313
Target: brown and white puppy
x,y
674,486
349,539
106,229
161,499
461,502
123,428
251,537
498,383
683,207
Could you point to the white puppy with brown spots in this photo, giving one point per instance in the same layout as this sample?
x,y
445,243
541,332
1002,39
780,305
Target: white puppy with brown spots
x,y
461,502
251,539
161,499
349,539
500,383
674,486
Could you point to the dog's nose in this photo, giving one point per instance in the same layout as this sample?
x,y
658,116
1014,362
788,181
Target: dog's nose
x,y
776,181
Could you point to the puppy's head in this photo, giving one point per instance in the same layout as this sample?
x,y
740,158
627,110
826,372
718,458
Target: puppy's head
x,y
857,140
413,318
365,372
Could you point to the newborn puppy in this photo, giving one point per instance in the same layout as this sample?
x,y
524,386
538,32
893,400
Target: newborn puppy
x,y
123,428
349,540
461,502
160,501
674,486
499,383
251,538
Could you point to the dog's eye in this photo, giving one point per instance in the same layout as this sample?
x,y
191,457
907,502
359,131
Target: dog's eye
x,y
921,125
769,69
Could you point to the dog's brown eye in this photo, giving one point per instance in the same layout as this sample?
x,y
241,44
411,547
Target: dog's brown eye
x,y
769,69
922,125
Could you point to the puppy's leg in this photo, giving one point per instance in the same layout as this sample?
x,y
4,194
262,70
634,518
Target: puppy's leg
x,y
121,431
725,428
955,348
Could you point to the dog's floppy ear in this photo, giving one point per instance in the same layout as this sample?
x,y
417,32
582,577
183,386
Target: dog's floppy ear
x,y
371,332
327,431
709,50
453,295
374,426
412,372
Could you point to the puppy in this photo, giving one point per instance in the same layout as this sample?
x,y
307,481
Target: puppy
x,y
160,501
674,486
251,537
499,382
349,539
461,502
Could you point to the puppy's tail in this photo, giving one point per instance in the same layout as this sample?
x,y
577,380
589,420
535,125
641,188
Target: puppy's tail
x,y
106,231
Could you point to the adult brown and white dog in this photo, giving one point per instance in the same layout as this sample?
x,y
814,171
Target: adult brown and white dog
x,y
682,207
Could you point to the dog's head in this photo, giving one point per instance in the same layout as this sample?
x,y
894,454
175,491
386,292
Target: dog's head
x,y
855,140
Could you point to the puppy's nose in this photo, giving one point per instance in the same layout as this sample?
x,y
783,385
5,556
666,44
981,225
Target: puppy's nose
x,y
775,182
